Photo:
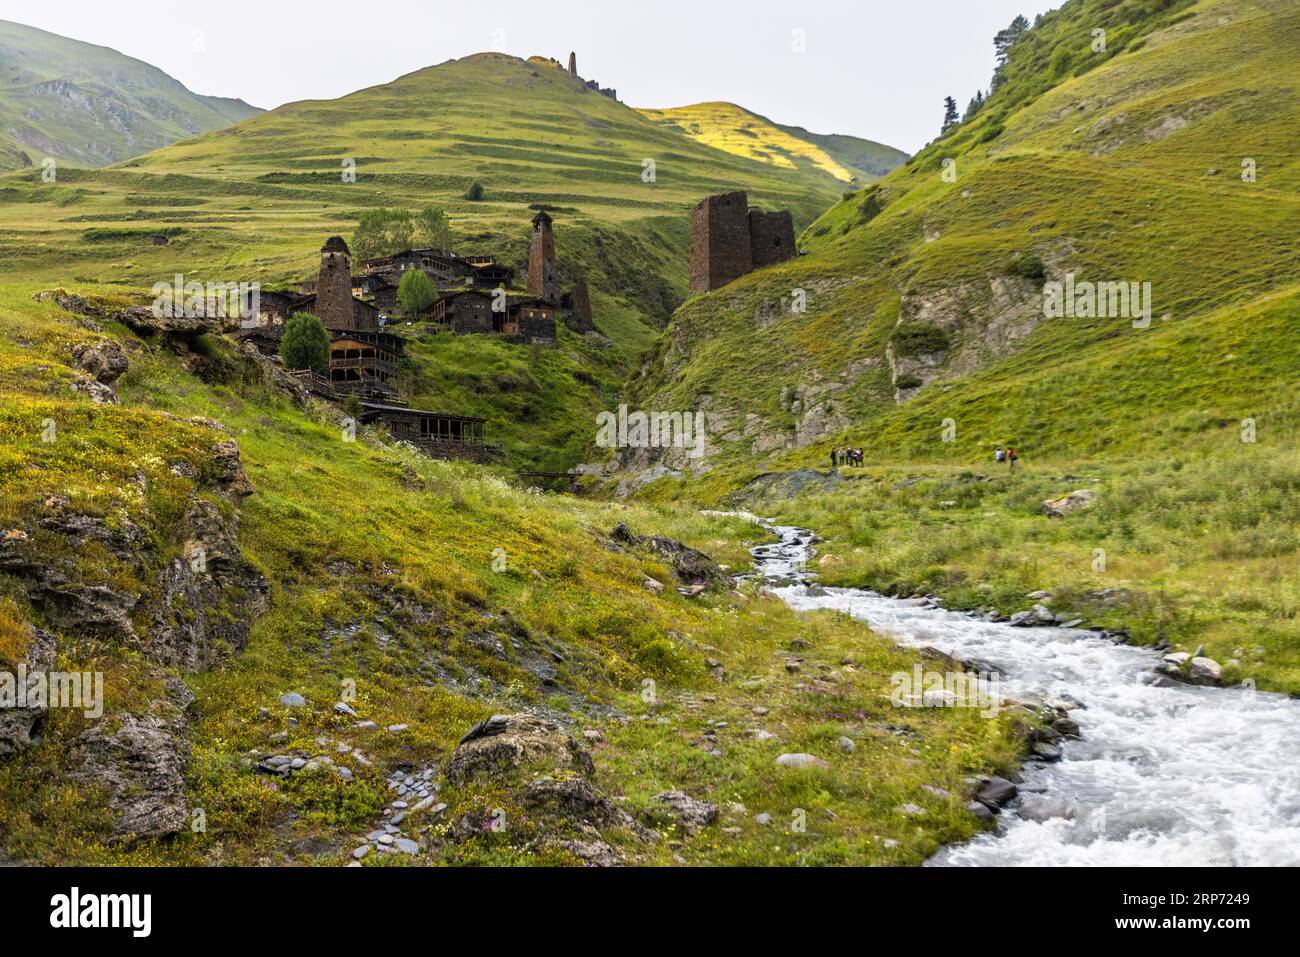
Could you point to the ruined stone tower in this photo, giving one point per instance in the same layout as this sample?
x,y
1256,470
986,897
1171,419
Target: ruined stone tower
x,y
581,318
720,248
730,240
541,260
334,305
573,64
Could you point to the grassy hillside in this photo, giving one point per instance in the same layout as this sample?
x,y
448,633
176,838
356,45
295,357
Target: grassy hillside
x,y
256,201
733,129
87,105
925,340
382,570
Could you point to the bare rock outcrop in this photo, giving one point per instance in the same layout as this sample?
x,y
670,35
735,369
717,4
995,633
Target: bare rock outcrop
x,y
20,723
139,761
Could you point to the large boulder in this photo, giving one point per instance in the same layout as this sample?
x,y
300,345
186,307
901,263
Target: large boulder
x,y
103,360
1204,671
692,814
506,743
1060,507
690,565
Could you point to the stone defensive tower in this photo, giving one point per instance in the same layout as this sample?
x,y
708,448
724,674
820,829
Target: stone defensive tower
x,y
720,245
573,64
541,260
334,305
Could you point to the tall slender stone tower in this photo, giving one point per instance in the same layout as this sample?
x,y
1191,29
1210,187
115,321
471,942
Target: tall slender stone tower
x,y
334,305
573,64
541,260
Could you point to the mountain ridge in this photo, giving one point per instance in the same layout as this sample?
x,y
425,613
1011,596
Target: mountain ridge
x,y
90,105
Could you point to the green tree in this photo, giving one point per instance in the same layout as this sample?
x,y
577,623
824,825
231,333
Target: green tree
x,y
475,192
305,343
950,117
432,230
1006,39
382,232
415,292
973,106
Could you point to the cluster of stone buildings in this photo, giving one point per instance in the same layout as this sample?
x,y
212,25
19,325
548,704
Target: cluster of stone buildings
x,y
729,239
366,352
474,294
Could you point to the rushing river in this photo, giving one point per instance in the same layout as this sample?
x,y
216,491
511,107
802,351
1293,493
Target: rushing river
x,y
1165,774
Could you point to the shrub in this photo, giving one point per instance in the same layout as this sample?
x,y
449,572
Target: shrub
x,y
908,381
305,344
915,338
415,292
1027,265
475,192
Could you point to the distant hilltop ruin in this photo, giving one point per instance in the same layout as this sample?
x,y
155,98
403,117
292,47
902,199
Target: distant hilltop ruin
x,y
572,70
729,240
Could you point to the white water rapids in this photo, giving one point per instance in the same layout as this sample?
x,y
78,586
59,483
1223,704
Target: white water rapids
x,y
1164,774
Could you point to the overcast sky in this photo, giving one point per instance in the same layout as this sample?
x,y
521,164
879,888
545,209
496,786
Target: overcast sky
x,y
873,68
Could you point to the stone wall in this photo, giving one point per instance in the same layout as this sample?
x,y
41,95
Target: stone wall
x,y
771,237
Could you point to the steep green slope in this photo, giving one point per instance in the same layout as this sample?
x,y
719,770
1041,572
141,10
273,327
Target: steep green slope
x,y
921,291
256,201
926,342
733,129
88,105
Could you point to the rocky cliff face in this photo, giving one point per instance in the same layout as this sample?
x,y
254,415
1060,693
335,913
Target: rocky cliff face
x,y
163,591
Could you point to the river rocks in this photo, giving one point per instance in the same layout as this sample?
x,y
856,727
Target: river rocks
x,y
505,742
982,811
1066,727
1046,752
1060,507
1204,671
996,792
1036,616
691,814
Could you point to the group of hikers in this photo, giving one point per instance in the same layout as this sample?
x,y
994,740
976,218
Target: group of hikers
x,y
849,456
845,456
